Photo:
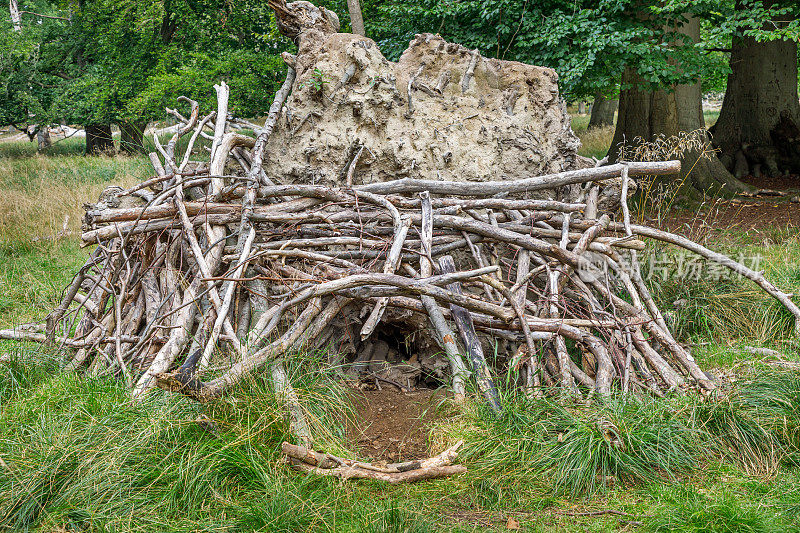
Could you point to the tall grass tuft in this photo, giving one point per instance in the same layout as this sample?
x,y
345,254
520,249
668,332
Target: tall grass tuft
x,y
78,452
580,450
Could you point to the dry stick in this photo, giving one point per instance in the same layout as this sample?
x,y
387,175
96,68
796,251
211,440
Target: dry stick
x,y
517,304
473,60
33,336
322,320
72,291
178,338
492,188
205,271
561,348
636,274
489,203
351,169
476,254
443,332
756,277
556,282
392,261
287,395
664,338
222,312
326,460
205,392
472,344
393,479
410,110
425,286
222,115
118,318
683,356
160,172
259,148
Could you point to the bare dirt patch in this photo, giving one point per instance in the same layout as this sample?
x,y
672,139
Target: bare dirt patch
x,y
752,215
780,183
393,426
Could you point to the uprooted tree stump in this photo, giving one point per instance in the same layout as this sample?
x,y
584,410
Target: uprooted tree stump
x,y
407,217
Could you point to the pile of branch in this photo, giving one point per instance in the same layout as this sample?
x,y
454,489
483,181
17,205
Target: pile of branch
x,y
233,272
210,271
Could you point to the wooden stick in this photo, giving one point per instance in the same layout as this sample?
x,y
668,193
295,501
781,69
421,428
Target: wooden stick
x,y
392,261
550,181
466,329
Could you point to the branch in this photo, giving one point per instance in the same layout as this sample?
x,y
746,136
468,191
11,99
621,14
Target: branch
x,y
54,17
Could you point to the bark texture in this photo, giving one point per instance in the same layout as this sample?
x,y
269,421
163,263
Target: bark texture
x,y
644,116
757,131
99,139
131,139
603,111
356,19
16,19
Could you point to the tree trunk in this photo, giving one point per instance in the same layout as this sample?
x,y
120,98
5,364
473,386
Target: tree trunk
x,y
644,116
581,107
757,130
16,19
603,110
131,139
99,139
356,20
43,138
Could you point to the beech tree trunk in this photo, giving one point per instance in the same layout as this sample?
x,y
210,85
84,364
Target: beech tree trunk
x,y
131,139
757,131
99,139
356,19
603,110
644,116
16,19
43,138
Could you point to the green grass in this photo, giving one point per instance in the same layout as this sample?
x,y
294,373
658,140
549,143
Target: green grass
x,y
78,455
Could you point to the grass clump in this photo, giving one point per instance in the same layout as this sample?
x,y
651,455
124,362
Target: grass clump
x,y
589,449
581,450
79,453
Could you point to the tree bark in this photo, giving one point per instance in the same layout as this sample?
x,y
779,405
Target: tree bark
x,y
16,19
99,139
603,111
644,116
131,139
43,138
758,122
356,20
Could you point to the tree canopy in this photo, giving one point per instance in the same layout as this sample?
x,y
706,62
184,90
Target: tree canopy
x,y
102,61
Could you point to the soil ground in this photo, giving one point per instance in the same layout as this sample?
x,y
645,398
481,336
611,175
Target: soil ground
x,y
393,426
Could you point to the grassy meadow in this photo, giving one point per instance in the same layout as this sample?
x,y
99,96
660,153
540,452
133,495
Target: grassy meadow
x,y
76,454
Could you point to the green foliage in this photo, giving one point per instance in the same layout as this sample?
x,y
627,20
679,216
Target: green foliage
x,y
588,43
79,453
102,61
317,81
